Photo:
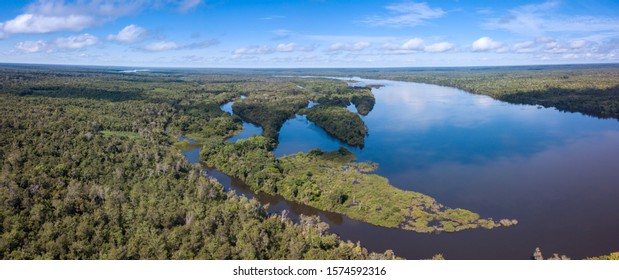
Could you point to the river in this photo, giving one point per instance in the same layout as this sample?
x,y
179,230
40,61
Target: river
x,y
555,172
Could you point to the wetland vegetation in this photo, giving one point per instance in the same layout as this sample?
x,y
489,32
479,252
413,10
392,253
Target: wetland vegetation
x,y
332,181
95,150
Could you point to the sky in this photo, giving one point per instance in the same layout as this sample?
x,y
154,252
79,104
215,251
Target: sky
x,y
308,33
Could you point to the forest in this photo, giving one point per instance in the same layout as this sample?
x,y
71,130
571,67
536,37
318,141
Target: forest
x,y
339,123
92,168
89,172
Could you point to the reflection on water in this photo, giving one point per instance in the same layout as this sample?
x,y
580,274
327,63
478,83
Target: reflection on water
x,y
301,135
227,107
276,203
249,129
555,172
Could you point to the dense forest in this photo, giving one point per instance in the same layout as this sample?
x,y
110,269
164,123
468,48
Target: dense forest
x,y
92,169
339,123
89,172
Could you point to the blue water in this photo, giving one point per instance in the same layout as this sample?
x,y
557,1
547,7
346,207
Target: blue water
x,y
419,127
227,107
556,172
249,129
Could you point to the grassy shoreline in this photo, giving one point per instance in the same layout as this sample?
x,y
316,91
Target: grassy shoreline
x,y
331,181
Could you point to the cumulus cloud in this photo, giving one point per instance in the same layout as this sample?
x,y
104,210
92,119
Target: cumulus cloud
x,y
31,46
485,44
286,47
162,46
32,23
407,14
262,50
440,47
130,34
413,44
76,42
46,16
70,43
418,45
359,46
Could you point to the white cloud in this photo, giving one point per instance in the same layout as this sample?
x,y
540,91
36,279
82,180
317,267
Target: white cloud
x,y
76,42
71,43
250,51
162,46
46,16
359,46
32,23
525,46
31,46
408,14
413,44
188,5
3,33
440,47
418,45
539,19
578,44
262,50
286,47
485,44
130,34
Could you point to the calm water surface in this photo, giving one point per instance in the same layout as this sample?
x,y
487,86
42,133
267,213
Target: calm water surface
x,y
249,129
555,172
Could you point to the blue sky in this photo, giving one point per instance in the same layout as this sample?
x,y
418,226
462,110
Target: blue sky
x,y
308,33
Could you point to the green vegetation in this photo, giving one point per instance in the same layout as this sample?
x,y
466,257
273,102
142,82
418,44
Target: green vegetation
x,y
130,135
91,169
364,103
332,181
339,123
92,174
591,90
610,257
269,104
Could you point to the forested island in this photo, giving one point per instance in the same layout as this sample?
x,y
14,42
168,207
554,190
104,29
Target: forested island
x,y
92,169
